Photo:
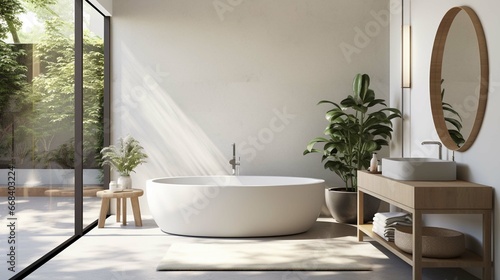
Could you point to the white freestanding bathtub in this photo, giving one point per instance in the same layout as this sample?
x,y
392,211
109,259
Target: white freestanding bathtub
x,y
235,206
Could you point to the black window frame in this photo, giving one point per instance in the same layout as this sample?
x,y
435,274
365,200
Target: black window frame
x,y
80,230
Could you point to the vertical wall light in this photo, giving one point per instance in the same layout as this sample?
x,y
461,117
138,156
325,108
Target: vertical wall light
x,y
406,57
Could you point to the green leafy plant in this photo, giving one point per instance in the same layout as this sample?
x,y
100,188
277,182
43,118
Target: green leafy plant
x,y
53,95
355,131
36,111
124,157
456,124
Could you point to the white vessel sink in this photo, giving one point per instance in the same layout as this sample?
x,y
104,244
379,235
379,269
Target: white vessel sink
x,y
419,169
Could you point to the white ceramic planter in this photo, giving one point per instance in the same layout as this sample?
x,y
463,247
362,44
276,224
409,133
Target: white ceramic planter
x,y
124,182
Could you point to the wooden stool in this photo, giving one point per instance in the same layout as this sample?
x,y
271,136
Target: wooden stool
x,y
121,202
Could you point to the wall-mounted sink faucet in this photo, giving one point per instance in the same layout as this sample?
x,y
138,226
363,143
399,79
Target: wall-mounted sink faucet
x,y
233,161
435,143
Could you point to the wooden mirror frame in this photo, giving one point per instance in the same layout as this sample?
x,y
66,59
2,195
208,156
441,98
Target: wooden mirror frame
x,y
435,78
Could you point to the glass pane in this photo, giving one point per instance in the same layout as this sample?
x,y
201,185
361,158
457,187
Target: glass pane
x,y
36,127
93,92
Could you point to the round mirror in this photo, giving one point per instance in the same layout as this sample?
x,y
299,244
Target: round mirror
x,y
459,78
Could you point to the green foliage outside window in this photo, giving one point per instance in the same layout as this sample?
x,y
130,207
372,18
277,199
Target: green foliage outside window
x,y
44,112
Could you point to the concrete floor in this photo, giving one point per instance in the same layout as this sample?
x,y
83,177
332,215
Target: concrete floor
x,y
41,224
118,252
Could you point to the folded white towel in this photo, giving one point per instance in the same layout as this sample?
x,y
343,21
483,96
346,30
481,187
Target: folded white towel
x,y
384,223
391,217
392,224
385,235
388,220
382,227
387,215
381,234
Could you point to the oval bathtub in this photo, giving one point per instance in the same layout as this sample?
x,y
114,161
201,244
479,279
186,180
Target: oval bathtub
x,y
235,206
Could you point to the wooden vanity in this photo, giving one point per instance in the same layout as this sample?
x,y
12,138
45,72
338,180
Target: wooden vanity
x,y
430,197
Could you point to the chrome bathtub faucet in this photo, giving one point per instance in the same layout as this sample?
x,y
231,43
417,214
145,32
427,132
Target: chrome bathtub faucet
x,y
435,143
235,163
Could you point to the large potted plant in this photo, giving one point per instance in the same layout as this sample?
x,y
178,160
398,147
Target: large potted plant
x,y
124,158
357,128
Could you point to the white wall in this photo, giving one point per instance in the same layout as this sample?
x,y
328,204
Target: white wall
x,y
480,163
191,77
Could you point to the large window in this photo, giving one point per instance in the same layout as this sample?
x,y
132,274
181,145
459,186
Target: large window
x,y
93,109
41,157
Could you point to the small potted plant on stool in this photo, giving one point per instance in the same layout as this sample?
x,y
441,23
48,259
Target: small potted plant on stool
x,y
124,158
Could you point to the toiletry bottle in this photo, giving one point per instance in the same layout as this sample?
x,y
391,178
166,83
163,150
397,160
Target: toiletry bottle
x,y
374,164
112,186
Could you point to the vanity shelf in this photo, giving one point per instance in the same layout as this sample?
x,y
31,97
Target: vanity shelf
x,y
430,197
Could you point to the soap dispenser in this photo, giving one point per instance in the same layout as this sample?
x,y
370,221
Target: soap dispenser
x,y
374,164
